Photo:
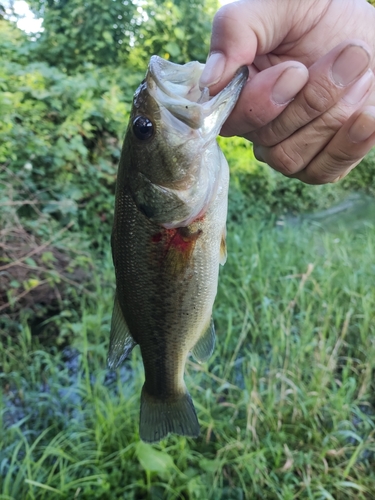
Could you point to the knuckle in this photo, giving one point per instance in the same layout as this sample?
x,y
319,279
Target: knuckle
x,y
332,120
285,159
266,136
322,129
340,157
269,135
332,168
228,14
317,98
318,172
279,129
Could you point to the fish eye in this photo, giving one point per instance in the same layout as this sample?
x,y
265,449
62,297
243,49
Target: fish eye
x,y
143,128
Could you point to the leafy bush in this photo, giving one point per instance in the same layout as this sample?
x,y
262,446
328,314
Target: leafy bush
x,y
362,177
176,30
122,32
76,33
64,132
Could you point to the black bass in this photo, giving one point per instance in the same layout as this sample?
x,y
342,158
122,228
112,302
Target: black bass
x,y
168,236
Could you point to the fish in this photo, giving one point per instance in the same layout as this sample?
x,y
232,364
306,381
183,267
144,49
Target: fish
x,y
168,237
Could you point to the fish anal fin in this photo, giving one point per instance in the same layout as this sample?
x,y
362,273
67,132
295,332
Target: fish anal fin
x,y
205,345
121,342
223,248
160,417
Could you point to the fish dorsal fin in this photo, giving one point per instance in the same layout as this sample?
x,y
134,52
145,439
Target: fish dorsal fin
x,y
121,342
223,248
205,345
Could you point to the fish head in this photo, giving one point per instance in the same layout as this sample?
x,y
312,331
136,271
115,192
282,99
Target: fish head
x,y
173,121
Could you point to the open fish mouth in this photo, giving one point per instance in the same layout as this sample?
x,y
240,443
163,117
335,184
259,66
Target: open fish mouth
x,y
176,88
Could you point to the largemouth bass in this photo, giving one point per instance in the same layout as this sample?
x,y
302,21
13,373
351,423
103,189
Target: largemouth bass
x,y
169,236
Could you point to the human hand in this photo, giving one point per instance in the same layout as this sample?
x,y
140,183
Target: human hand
x,y
317,123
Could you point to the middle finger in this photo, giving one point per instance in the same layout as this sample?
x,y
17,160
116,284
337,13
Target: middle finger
x,y
330,78
296,152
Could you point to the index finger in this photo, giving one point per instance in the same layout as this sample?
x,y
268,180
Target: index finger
x,y
234,41
243,30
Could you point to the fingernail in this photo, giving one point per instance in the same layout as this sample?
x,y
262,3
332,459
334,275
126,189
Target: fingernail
x,y
289,83
213,70
350,64
360,88
364,126
257,150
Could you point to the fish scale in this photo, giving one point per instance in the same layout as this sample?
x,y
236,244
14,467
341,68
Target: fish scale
x,y
168,239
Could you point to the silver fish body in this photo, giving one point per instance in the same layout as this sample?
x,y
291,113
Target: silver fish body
x,y
169,237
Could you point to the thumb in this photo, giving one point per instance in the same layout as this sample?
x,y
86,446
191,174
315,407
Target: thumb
x,y
241,31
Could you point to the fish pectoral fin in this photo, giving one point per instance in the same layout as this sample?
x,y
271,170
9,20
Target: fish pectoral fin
x,y
159,417
205,345
223,248
121,342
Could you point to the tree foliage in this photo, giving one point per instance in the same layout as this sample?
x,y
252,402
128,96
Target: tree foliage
x,y
77,32
111,32
178,30
62,133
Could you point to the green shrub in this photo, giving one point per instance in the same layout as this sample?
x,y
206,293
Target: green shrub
x,y
362,177
63,134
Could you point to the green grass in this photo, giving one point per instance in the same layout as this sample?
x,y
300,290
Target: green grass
x,y
286,403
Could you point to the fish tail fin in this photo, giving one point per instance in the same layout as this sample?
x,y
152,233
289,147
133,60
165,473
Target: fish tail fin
x,y
160,417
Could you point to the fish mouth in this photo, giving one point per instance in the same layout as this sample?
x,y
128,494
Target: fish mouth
x,y
176,88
